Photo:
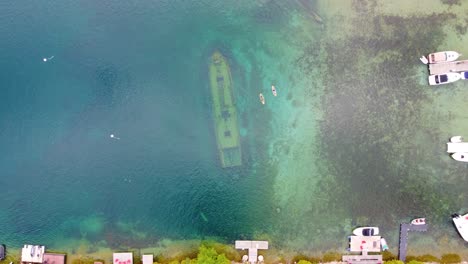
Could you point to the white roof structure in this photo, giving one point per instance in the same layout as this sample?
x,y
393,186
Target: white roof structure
x,y
147,259
253,247
123,258
364,243
32,254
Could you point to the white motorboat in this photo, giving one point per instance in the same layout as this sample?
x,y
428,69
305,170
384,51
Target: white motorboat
x,y
262,98
464,75
444,78
458,148
366,231
437,57
273,90
418,221
461,223
460,156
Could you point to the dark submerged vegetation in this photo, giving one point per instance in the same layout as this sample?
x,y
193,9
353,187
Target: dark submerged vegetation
x,y
372,107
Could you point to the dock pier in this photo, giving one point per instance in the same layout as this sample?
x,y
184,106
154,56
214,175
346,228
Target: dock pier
x,y
404,229
445,67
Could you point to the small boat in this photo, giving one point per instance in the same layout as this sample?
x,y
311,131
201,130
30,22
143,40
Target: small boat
x,y
443,56
273,90
444,78
418,221
456,139
464,75
460,156
424,60
461,223
458,148
262,99
366,231
383,244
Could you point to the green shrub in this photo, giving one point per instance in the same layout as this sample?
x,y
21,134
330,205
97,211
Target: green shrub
x,y
315,260
413,262
387,256
83,260
427,258
210,256
299,257
331,256
394,262
450,258
303,262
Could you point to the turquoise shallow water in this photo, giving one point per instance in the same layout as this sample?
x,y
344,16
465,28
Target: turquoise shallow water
x,y
330,153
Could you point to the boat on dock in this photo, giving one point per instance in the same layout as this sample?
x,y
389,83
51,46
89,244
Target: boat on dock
x,y
438,57
439,79
273,90
224,112
461,223
262,98
464,75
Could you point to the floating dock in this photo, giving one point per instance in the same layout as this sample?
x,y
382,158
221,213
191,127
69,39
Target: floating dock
x,y
445,67
224,112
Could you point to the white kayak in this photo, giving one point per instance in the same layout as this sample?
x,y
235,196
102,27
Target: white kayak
x,y
273,90
262,99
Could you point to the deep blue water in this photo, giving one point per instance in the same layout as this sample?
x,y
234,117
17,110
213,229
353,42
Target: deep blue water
x,y
136,69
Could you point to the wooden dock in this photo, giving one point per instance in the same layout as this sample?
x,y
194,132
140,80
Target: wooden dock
x,y
445,67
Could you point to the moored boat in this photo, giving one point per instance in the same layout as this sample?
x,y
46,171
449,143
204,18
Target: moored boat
x,y
418,221
366,231
458,148
262,98
461,223
460,156
273,90
444,78
464,75
442,56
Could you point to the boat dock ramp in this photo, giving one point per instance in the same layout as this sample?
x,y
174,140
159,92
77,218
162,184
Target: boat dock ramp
x,y
445,67
404,228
